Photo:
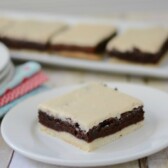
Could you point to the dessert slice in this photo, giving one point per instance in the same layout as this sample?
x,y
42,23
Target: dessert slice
x,y
82,40
140,45
30,34
91,116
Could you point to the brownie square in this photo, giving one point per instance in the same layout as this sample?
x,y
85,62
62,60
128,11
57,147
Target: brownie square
x,y
82,38
140,45
91,116
30,34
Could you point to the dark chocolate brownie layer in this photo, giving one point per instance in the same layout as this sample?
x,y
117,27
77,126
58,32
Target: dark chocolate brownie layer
x,y
107,127
139,56
23,44
97,49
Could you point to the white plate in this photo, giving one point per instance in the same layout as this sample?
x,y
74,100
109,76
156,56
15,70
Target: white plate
x,y
160,71
20,131
4,57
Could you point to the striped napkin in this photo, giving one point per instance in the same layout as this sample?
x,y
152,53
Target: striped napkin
x,y
23,88
22,72
6,108
28,77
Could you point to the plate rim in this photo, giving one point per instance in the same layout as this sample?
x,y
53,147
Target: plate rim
x,y
80,163
5,71
9,74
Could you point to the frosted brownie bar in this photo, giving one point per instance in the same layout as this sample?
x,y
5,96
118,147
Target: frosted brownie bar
x,y
30,34
140,45
83,38
91,116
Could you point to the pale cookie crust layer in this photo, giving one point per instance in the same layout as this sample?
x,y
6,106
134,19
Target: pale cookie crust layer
x,y
80,55
96,143
96,100
148,40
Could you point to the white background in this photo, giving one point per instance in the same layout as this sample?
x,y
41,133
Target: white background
x,y
86,7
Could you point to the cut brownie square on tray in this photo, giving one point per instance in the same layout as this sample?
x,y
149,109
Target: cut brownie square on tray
x,y
83,39
145,45
30,34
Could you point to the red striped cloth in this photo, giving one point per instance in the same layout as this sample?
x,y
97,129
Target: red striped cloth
x,y
26,86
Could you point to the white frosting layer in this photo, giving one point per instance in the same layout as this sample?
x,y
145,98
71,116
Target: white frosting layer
x,y
84,35
33,31
147,40
90,105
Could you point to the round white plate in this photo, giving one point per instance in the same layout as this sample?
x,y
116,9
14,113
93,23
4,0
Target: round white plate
x,y
4,57
20,131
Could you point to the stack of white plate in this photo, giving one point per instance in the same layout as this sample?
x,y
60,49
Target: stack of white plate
x,y
7,69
